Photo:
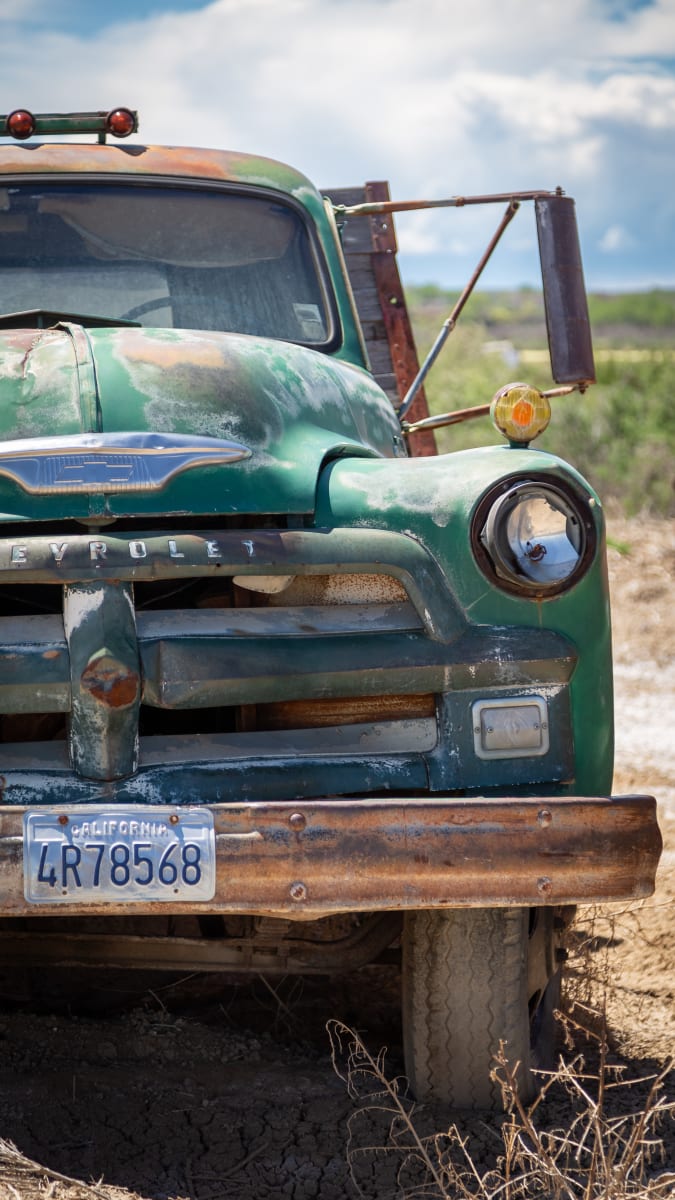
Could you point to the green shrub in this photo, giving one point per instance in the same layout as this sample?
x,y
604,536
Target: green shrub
x,y
620,434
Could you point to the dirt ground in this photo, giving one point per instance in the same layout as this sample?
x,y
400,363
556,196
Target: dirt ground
x,y
206,1094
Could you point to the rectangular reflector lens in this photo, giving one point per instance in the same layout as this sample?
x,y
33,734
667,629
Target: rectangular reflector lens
x,y
513,728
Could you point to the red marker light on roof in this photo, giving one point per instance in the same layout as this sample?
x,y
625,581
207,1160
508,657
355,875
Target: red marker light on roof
x,y
120,122
21,124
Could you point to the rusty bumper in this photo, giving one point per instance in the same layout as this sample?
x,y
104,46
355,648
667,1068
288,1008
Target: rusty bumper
x,y
312,858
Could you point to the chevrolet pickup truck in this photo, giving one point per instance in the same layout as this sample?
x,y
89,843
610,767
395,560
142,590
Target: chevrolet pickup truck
x,y
281,690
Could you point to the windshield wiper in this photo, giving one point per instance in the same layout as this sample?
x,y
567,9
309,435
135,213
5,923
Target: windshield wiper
x,y
44,318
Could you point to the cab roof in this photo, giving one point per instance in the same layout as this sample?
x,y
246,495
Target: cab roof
x,y
180,162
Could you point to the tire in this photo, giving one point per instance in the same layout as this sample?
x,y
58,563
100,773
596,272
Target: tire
x,y
473,977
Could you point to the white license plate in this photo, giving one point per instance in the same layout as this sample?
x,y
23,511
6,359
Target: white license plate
x,y
123,853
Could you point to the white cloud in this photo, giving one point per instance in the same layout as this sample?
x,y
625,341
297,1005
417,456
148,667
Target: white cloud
x,y
648,32
395,79
435,96
637,99
615,239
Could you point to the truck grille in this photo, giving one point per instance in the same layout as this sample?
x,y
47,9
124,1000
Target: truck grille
x,y
226,661
116,671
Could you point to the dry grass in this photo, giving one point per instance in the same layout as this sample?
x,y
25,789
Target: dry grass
x,y
592,1133
609,1148
23,1179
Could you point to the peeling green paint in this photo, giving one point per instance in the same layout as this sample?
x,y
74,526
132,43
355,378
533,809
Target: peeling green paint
x,y
293,407
434,499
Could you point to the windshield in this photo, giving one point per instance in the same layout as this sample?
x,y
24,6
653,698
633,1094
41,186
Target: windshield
x,y
162,256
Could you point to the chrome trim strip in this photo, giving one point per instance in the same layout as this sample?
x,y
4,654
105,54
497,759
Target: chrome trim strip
x,y
110,462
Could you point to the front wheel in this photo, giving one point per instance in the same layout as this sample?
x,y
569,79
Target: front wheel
x,y
471,978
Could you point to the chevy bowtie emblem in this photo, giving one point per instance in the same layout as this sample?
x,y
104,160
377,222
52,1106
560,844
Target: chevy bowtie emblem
x,y
110,462
92,470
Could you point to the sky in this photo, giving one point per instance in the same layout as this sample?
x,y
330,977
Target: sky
x,y
440,97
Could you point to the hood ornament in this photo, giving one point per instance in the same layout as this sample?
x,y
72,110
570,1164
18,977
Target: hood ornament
x,y
110,462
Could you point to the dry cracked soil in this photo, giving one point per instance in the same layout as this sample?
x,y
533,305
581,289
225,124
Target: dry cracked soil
x,y
205,1092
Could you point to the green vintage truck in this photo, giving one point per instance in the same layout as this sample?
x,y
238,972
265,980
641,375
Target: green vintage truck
x,y
280,690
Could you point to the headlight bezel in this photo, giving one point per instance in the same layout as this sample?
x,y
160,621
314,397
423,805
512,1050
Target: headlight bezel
x,y
490,543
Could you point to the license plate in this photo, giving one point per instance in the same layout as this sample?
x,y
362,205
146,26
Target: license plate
x,y
121,854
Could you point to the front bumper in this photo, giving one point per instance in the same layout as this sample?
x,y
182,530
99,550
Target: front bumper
x,y
313,858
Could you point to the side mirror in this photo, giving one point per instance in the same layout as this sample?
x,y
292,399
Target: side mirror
x,y
567,323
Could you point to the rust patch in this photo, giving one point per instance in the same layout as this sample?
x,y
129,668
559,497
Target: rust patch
x,y
110,682
396,318
367,855
151,350
138,159
356,710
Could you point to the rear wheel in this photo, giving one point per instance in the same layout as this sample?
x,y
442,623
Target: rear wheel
x,y
473,978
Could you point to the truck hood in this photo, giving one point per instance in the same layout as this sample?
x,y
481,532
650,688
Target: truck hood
x,y
288,409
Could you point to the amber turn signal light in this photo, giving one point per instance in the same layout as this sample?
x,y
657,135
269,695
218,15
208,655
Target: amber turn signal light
x,y
520,412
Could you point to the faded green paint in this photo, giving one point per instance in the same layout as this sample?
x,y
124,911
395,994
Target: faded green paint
x,y
39,384
292,407
438,497
298,411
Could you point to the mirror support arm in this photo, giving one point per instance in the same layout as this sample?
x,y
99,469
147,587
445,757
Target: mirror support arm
x,y
449,324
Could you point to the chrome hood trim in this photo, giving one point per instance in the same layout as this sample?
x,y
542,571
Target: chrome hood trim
x,y
110,462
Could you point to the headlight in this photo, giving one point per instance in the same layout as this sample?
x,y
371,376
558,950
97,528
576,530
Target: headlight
x,y
536,538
